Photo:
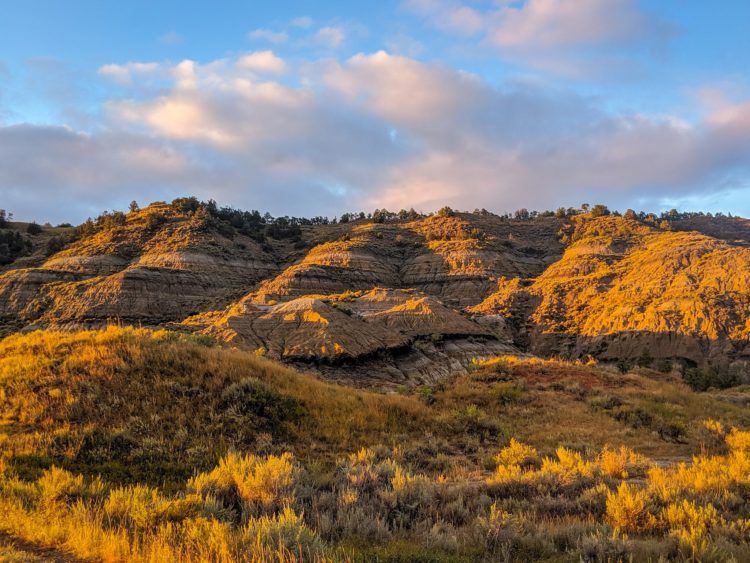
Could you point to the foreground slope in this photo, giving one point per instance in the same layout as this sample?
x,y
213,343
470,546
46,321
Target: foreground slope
x,y
133,403
135,445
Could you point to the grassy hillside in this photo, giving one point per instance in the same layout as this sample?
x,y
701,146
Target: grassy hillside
x,y
129,444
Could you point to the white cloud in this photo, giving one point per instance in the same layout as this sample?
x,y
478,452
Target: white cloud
x,y
123,74
275,37
303,22
262,61
404,44
374,130
554,24
449,15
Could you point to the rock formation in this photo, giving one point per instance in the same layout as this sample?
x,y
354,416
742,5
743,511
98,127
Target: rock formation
x,y
406,300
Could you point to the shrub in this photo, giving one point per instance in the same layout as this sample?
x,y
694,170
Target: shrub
x,y
154,220
507,393
569,466
250,484
60,486
135,507
13,245
252,397
473,420
707,377
739,441
55,244
368,469
622,463
186,204
716,476
628,510
516,453
495,526
285,531
599,210
34,229
692,524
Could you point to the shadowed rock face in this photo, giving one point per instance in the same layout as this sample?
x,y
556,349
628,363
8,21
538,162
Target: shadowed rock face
x,y
136,273
407,300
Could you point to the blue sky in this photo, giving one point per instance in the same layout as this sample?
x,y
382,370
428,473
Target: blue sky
x,y
313,108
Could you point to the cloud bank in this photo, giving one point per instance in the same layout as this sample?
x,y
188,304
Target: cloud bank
x,y
374,130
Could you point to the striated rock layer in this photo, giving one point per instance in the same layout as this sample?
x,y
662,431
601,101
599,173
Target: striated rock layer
x,y
136,273
405,300
399,335
626,290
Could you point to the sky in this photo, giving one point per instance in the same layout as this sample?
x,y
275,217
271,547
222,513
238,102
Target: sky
x,y
317,108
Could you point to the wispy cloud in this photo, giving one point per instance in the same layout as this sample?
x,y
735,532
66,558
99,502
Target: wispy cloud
x,y
330,36
577,38
303,21
449,15
276,37
171,38
123,74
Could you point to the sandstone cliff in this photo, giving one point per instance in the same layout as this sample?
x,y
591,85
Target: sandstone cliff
x,y
143,270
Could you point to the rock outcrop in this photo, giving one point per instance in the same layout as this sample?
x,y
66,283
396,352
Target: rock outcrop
x,y
341,327
406,300
623,289
136,273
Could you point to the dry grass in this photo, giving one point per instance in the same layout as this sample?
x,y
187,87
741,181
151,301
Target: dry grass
x,y
152,405
136,445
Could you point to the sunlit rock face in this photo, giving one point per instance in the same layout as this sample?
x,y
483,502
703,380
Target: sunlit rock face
x,y
410,297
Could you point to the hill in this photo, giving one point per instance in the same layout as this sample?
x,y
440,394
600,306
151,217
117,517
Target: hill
x,y
624,290
404,298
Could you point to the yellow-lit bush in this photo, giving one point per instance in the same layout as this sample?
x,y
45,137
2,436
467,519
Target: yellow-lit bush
x,y
58,485
739,441
628,510
622,463
251,483
516,453
568,467
692,524
505,474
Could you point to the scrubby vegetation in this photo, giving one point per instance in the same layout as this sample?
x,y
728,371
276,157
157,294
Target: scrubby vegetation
x,y
137,445
372,506
12,246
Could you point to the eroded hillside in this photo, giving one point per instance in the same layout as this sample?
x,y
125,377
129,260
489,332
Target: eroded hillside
x,y
627,290
405,299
